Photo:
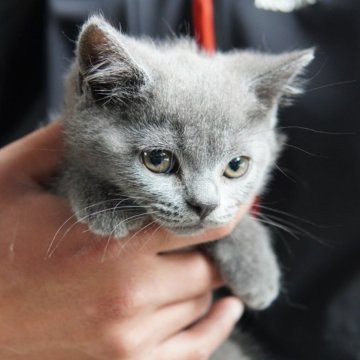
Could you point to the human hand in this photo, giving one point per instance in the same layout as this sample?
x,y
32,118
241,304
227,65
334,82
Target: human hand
x,y
130,299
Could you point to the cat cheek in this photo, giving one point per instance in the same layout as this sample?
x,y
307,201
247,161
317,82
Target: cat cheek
x,y
114,141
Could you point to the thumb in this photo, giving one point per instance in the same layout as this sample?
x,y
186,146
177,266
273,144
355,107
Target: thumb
x,y
35,156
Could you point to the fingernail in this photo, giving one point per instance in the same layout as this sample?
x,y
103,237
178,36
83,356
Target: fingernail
x,y
237,309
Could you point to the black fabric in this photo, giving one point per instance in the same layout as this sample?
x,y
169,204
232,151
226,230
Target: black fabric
x,y
318,315
317,179
22,65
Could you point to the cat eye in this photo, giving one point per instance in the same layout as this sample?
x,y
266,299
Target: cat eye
x,y
159,161
237,167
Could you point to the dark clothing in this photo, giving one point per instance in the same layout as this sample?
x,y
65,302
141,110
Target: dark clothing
x,y
316,188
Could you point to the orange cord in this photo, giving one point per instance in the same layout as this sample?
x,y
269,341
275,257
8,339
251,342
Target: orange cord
x,y
203,16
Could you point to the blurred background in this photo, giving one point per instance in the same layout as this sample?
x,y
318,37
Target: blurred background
x,y
313,201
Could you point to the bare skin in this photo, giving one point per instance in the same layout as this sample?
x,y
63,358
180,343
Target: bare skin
x,y
89,298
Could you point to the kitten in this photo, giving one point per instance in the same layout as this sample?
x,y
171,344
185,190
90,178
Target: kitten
x,y
167,133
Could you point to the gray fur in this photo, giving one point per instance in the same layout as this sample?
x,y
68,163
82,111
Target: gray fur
x,y
127,95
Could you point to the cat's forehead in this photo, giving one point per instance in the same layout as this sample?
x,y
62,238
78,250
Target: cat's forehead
x,y
202,84
197,103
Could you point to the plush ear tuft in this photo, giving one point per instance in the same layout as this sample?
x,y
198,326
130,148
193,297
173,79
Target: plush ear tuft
x,y
281,78
106,68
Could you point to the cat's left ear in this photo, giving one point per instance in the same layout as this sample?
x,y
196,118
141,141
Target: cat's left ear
x,y
278,77
106,68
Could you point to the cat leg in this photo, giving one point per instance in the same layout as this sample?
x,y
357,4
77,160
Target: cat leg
x,y
100,205
248,264
230,350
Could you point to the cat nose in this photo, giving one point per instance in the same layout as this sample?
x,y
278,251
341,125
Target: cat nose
x,y
202,209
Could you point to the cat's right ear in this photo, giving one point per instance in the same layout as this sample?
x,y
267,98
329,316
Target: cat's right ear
x,y
106,69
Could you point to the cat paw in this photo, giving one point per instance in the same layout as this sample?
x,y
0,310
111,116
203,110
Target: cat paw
x,y
257,287
105,225
262,297
106,229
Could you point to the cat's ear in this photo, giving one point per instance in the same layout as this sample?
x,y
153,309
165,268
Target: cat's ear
x,y
280,77
106,68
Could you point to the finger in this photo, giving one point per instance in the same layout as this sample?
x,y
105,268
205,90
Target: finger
x,y
36,156
203,338
177,317
168,321
162,278
171,283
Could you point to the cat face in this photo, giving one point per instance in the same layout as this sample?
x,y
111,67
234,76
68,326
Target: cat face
x,y
185,135
184,174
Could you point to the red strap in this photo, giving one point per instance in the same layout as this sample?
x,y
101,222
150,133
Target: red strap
x,y
255,208
203,17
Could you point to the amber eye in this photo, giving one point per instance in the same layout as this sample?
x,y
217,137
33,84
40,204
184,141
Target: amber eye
x,y
237,167
159,161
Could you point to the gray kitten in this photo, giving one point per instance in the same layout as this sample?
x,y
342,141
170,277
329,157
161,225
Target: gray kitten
x,y
167,133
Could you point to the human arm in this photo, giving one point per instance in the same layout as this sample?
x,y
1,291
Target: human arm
x,y
134,301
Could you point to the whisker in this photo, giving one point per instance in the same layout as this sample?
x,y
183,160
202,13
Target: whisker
x,y
315,130
66,221
295,229
153,234
121,247
266,220
49,254
283,172
49,249
131,218
72,226
304,151
339,83
137,232
291,216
